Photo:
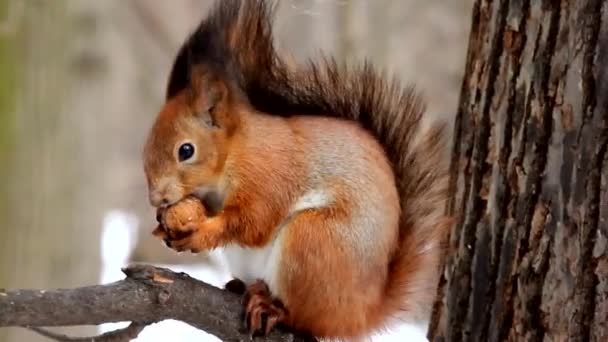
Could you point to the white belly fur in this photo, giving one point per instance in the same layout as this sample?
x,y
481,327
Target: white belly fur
x,y
251,264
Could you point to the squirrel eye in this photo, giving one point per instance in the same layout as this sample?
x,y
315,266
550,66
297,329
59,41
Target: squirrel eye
x,y
185,152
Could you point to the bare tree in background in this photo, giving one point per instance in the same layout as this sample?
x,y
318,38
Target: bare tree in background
x,y
528,260
42,242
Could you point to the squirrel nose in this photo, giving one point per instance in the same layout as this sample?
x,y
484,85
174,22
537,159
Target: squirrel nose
x,y
157,199
164,192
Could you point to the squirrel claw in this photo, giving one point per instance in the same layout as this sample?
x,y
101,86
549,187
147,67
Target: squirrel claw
x,y
262,312
177,240
160,232
181,245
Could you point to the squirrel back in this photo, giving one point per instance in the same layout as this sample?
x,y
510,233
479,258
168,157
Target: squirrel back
x,y
236,41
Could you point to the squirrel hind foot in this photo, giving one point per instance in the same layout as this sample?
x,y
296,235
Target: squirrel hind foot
x,y
262,312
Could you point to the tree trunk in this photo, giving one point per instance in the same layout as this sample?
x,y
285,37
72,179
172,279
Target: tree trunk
x,y
528,258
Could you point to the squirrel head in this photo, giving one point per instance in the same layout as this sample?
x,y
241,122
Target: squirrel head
x,y
188,144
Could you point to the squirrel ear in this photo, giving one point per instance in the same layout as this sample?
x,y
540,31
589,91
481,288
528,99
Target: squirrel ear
x,y
211,100
211,96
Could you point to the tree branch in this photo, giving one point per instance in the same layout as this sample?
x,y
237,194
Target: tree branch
x,y
147,295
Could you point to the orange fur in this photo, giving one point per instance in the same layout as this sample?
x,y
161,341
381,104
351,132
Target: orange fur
x,y
332,165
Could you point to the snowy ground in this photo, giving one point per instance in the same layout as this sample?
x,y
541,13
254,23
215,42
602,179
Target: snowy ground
x,y
118,240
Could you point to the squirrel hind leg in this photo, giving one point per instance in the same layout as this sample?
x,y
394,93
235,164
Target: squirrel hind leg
x,y
262,311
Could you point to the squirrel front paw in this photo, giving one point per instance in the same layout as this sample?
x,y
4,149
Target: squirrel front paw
x,y
182,225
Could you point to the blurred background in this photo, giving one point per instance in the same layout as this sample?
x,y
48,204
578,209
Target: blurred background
x,y
80,84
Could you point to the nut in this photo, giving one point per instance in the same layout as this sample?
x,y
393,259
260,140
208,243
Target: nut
x,y
184,212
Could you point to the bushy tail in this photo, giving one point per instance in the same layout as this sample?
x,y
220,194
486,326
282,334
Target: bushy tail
x,y
237,39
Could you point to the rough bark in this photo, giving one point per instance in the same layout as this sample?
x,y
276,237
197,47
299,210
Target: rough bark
x,y
528,259
147,295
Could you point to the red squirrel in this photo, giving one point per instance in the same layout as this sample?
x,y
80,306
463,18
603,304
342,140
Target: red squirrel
x,y
327,188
